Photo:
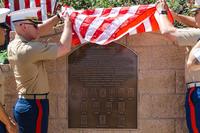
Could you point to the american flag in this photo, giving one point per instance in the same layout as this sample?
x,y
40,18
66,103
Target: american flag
x,y
104,25
47,7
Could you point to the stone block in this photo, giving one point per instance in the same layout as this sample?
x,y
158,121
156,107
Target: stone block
x,y
135,131
90,131
1,77
156,81
62,107
61,64
145,106
57,83
52,79
161,106
2,91
103,131
79,130
122,131
157,126
144,57
180,82
57,126
53,106
73,130
9,84
112,131
168,57
179,103
148,39
61,83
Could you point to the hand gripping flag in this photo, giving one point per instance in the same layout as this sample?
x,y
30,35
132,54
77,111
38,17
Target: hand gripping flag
x,y
104,25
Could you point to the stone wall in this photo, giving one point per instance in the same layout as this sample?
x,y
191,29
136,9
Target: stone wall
x,y
160,88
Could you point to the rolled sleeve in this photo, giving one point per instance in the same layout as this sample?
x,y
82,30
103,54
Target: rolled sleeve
x,y
42,51
187,36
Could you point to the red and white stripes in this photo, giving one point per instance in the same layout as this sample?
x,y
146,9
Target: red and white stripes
x,y
47,6
104,25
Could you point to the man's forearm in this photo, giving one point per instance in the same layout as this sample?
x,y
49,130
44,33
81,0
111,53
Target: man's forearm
x,y
66,35
186,20
165,25
47,26
65,40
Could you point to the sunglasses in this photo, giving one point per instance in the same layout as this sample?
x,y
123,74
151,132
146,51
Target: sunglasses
x,y
34,25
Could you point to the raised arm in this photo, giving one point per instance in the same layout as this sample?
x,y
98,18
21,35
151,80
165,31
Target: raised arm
x,y
186,20
47,25
66,38
166,27
180,37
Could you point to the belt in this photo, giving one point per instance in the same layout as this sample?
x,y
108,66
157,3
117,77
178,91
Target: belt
x,y
193,84
33,96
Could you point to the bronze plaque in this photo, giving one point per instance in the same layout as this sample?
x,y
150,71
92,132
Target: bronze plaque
x,y
102,87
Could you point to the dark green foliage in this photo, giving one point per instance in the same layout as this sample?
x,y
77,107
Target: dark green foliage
x,y
85,4
179,6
